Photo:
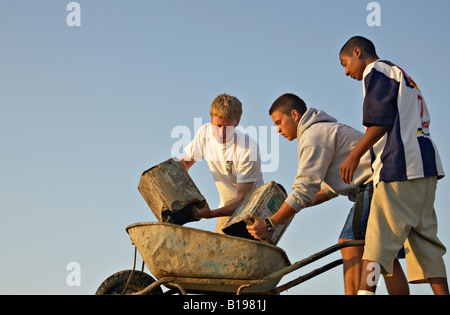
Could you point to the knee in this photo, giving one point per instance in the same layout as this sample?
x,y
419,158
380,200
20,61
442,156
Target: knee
x,y
344,240
351,251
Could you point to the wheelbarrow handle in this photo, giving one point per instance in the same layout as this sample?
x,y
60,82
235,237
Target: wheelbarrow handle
x,y
282,272
306,277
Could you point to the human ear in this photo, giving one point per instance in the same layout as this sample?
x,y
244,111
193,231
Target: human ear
x,y
296,115
357,52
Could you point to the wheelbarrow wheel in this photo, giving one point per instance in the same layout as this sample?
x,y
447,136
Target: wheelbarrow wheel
x,y
116,283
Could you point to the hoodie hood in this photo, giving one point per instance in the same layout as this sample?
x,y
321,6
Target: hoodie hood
x,y
310,117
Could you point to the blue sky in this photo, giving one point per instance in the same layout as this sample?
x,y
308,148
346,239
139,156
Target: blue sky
x,y
84,110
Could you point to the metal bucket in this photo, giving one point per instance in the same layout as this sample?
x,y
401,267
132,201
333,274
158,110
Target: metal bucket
x,y
263,202
170,192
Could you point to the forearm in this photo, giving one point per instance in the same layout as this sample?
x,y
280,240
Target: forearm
x,y
283,214
372,136
259,228
228,209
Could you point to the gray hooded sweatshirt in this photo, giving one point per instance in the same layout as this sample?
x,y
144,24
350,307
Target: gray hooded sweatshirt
x,y
323,144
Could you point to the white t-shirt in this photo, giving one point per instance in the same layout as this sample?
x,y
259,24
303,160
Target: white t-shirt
x,y
234,162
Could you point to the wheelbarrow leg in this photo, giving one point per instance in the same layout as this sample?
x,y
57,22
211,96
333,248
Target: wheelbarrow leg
x,y
179,287
154,285
239,291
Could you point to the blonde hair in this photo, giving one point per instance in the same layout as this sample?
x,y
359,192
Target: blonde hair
x,y
226,107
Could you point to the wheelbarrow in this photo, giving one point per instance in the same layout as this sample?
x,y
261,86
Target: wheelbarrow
x,y
187,260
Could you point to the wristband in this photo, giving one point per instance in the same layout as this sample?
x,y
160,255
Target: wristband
x,y
269,225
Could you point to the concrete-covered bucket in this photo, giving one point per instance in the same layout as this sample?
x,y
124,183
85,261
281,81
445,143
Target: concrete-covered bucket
x,y
262,202
170,192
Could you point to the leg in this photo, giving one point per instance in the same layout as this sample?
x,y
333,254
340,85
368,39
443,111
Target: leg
x,y
369,276
425,251
397,284
407,208
352,267
355,229
439,286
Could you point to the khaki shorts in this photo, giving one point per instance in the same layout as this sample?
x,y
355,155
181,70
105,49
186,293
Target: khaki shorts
x,y
402,213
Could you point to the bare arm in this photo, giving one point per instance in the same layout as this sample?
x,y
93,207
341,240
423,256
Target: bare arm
x,y
371,137
187,162
227,210
321,197
259,229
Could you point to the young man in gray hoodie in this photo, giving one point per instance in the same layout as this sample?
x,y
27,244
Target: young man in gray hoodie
x,y
323,144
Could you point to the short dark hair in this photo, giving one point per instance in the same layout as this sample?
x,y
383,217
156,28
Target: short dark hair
x,y
359,42
286,103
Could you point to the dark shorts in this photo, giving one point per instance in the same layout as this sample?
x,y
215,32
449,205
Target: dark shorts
x,y
356,224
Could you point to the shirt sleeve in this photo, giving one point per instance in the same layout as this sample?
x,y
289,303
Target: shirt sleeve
x,y
380,101
195,149
330,192
314,162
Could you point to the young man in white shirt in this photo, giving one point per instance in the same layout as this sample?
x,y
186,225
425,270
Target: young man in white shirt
x,y
233,158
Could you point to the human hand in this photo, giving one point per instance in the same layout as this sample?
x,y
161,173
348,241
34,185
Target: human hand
x,y
348,168
203,213
185,164
259,229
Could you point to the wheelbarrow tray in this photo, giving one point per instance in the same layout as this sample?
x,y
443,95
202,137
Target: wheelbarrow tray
x,y
224,262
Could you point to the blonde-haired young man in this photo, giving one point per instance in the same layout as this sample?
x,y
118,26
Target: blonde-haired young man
x,y
233,158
